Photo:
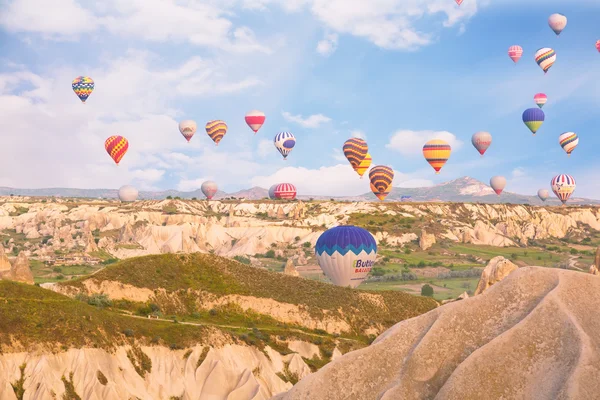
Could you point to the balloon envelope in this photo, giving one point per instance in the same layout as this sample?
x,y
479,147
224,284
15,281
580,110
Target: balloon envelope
x,y
83,86
364,165
498,183
515,53
285,191
255,119
545,58
557,23
272,192
355,150
459,2
540,99
598,45
533,119
188,129
284,143
346,254
381,178
437,152
116,147
128,193
568,141
543,194
563,186
481,141
209,188
216,130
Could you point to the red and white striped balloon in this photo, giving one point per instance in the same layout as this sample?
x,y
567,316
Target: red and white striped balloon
x,y
285,191
255,119
515,53
598,45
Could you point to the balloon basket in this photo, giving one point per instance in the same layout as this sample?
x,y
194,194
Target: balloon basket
x,y
437,172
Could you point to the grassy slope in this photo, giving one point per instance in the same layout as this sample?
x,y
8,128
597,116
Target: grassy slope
x,y
31,315
222,276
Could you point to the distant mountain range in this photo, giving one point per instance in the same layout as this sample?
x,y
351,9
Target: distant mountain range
x,y
461,190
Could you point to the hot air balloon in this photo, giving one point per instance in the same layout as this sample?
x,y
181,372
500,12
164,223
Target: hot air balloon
x,y
545,58
459,2
346,254
568,141
381,178
515,53
209,188
216,130
128,193
272,192
285,191
187,129
364,165
540,99
83,86
116,147
598,45
255,119
481,141
563,186
533,118
543,194
437,152
284,142
498,183
557,23
355,149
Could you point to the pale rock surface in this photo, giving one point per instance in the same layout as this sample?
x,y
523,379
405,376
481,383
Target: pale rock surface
x,y
231,372
20,270
290,269
594,270
532,336
497,269
4,261
426,240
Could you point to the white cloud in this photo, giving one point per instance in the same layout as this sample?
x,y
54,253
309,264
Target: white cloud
x,y
338,155
358,134
199,23
518,172
60,142
189,185
313,121
410,143
337,180
328,45
265,148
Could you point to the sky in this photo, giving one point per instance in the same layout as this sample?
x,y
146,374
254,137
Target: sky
x,y
394,72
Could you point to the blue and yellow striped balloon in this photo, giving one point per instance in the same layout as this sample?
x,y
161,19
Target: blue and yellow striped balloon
x,y
381,177
533,118
355,150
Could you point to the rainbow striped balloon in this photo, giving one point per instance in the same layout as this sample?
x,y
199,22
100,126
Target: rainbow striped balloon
x,y
545,58
355,150
437,152
116,147
568,141
83,86
381,178
216,130
563,186
364,165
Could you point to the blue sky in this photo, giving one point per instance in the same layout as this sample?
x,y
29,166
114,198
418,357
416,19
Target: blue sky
x,y
397,72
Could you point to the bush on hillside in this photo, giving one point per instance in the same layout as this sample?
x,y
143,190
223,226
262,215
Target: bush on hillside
x,y
426,290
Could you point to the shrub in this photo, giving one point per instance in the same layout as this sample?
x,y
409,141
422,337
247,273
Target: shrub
x,y
306,245
426,290
270,254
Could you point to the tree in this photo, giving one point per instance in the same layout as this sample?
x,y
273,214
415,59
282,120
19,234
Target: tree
x,y
426,290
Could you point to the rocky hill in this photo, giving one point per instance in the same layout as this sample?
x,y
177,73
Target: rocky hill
x,y
463,190
534,335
